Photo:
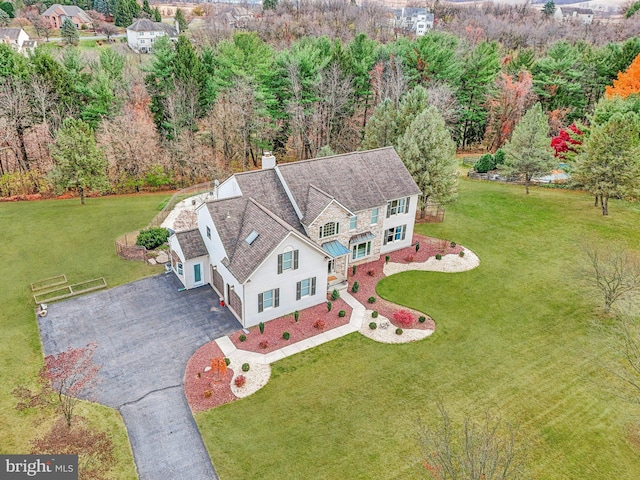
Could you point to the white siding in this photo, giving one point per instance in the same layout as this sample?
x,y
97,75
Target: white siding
x,y
407,219
311,263
229,188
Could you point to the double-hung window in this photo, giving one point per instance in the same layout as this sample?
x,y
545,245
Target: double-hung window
x,y
287,261
353,222
179,269
269,299
395,234
374,216
306,287
361,250
398,207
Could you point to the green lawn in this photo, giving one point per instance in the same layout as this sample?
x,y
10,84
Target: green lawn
x,y
515,335
42,239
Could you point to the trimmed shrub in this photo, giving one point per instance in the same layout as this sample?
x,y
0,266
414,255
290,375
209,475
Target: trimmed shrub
x,y
242,337
386,259
152,237
261,327
499,157
417,246
485,163
245,367
240,381
355,287
329,306
373,325
319,324
286,335
409,258
438,256
296,315
452,244
335,295
354,269
404,318
207,393
342,313
371,273
264,344
422,319
374,314
461,254
227,360
371,300
398,331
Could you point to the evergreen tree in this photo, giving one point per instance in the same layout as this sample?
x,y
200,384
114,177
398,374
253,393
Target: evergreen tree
x,y
80,164
156,17
104,6
411,105
5,20
269,4
7,7
609,164
146,8
428,152
124,12
182,22
69,32
529,153
549,8
381,130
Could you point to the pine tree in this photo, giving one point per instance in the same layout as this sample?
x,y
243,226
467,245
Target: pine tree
x,y
146,8
125,11
269,4
156,15
69,32
381,130
428,152
80,164
549,8
528,153
182,22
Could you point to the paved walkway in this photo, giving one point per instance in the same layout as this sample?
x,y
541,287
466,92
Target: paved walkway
x,y
146,331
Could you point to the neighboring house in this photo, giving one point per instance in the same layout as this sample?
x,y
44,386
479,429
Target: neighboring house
x,y
275,240
143,33
584,15
18,39
234,17
412,19
56,14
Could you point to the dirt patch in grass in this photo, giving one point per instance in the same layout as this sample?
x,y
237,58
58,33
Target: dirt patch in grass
x,y
305,327
195,386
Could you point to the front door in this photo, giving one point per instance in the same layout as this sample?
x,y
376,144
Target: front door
x,y
197,273
331,266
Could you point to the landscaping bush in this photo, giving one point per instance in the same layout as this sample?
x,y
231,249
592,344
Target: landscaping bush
x,y
371,273
422,319
286,335
227,360
386,259
335,295
245,367
438,256
398,331
374,314
409,258
373,325
261,327
152,238
355,287
342,313
329,306
498,157
372,300
452,244
404,318
207,393
296,315
240,381
242,337
417,246
353,270
264,344
461,254
319,324
485,163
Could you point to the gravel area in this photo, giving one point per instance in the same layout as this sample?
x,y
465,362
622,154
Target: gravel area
x,y
386,331
183,216
449,263
256,378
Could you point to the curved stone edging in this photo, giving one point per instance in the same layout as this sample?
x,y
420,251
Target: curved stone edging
x,y
256,378
450,263
388,334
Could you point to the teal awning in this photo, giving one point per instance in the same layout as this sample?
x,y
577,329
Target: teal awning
x,y
335,248
362,237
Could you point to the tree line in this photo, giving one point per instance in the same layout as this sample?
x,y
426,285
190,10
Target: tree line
x,y
204,107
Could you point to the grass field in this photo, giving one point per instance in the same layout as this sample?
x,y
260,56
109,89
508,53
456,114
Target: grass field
x,y
46,238
515,335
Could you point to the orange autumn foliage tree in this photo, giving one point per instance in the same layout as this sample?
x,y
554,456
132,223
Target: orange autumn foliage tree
x,y
219,368
627,83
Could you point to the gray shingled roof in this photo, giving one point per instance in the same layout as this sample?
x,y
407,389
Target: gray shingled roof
x,y
191,244
146,25
265,187
358,180
235,218
316,202
10,33
68,10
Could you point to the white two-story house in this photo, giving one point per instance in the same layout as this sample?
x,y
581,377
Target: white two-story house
x,y
275,240
142,34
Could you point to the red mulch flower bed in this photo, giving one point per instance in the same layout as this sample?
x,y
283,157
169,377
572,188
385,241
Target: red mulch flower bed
x,y
272,339
369,274
194,386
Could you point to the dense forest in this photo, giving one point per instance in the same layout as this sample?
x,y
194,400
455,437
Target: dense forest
x,y
302,79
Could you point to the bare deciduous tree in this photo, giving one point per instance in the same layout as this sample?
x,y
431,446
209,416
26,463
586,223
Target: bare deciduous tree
x,y
613,273
486,449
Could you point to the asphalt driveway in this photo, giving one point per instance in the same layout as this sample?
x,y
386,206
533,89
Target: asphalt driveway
x,y
146,332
